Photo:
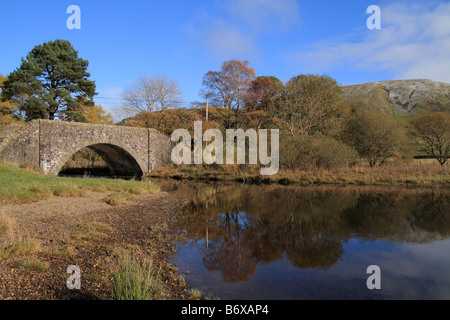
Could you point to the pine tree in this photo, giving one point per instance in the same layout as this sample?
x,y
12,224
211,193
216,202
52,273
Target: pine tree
x,y
49,81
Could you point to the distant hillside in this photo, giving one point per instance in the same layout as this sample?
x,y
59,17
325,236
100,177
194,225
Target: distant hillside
x,y
402,97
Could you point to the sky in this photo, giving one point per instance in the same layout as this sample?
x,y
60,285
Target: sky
x,y
183,40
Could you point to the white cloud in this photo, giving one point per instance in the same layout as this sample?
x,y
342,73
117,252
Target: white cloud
x,y
265,15
222,38
231,31
414,42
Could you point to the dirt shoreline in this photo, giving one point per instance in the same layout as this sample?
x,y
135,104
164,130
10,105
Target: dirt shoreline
x,y
145,223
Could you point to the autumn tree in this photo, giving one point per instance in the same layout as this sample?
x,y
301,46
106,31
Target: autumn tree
x,y
261,92
433,134
151,93
9,110
98,115
48,82
227,88
309,104
374,135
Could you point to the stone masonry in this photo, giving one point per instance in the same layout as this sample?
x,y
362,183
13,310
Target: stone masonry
x,y
49,144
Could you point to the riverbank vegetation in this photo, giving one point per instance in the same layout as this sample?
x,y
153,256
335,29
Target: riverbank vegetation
x,y
419,172
320,129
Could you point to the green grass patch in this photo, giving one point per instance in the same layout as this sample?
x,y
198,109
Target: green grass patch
x,y
118,198
21,185
32,264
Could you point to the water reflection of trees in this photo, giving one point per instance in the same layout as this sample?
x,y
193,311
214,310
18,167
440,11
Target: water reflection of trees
x,y
247,225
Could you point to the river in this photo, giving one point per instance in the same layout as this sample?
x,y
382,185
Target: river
x,y
279,242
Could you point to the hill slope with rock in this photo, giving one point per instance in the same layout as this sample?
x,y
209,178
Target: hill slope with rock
x,y
401,97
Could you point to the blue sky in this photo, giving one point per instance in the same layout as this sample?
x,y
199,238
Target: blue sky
x,y
185,39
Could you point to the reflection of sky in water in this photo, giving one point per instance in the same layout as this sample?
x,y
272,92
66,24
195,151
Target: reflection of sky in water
x,y
408,271
273,242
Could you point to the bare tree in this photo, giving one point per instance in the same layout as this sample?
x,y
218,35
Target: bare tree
x,y
154,93
433,133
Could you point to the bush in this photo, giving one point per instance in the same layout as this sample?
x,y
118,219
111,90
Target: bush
x,y
376,136
314,151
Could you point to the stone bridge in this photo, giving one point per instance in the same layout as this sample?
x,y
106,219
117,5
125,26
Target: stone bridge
x,y
49,144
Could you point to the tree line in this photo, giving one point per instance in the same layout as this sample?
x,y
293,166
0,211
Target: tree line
x,y
318,127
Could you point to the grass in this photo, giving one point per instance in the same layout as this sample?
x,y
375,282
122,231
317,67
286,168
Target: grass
x,y
32,264
20,185
62,252
118,198
6,223
13,242
21,247
134,277
88,232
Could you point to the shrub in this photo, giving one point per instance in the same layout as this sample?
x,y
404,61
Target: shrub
x,y
314,151
375,135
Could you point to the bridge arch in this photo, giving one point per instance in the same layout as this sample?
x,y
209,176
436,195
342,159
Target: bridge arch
x,y
119,161
49,144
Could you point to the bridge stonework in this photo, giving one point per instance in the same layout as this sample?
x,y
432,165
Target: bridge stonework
x,y
127,151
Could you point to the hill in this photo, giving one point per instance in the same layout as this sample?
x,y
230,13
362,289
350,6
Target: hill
x,y
402,97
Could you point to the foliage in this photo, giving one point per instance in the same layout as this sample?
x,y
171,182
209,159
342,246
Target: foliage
x,y
9,110
316,151
309,104
165,121
97,114
261,92
48,82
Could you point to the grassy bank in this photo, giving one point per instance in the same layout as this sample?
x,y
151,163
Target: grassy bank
x,y
19,185
122,251
110,271
416,173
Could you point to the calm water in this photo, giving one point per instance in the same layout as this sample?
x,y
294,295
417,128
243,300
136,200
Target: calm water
x,y
284,242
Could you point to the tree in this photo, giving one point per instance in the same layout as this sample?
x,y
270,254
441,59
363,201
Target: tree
x,y
151,93
261,92
9,112
317,151
433,133
49,80
309,104
375,136
167,121
228,87
98,115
